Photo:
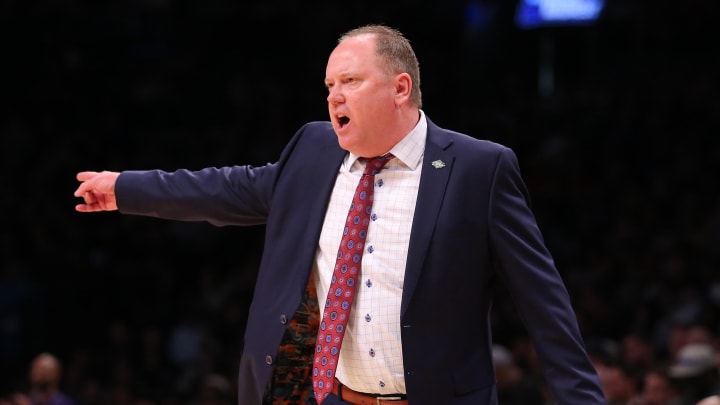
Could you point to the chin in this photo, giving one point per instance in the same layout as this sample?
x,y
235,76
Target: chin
x,y
347,143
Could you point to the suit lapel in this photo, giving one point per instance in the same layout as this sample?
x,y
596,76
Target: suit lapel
x,y
324,174
434,175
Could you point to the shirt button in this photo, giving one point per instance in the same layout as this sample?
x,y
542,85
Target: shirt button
x,y
382,384
372,353
368,283
368,318
371,249
373,216
283,319
380,183
268,359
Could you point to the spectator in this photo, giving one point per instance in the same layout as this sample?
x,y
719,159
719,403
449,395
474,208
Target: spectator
x,y
514,386
696,371
619,383
659,389
45,376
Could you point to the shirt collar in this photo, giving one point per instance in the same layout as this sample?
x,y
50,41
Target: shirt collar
x,y
409,151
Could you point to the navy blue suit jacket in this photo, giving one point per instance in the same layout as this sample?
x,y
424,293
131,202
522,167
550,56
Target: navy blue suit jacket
x,y
472,224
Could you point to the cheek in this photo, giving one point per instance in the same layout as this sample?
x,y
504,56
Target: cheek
x,y
375,108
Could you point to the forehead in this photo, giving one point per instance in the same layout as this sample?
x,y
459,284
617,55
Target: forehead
x,y
352,54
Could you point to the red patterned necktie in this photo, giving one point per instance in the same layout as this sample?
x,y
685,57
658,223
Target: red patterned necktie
x,y
336,312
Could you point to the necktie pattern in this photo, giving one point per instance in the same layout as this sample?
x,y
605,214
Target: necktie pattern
x,y
336,311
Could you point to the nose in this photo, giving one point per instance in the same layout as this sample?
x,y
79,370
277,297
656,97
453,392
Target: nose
x,y
334,95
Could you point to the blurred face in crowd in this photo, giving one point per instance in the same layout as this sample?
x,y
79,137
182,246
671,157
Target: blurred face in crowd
x,y
657,389
364,99
617,386
44,376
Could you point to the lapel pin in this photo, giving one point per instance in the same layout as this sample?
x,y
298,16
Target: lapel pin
x,y
438,164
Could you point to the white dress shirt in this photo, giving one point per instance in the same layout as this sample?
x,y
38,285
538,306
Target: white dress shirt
x,y
371,353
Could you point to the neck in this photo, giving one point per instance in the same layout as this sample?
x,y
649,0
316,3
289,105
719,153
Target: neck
x,y
408,119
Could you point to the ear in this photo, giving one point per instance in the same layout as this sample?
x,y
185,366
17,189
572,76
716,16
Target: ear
x,y
403,87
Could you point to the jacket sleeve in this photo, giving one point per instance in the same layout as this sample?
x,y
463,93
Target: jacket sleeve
x,y
236,195
537,289
233,195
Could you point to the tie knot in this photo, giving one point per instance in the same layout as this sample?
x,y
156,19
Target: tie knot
x,y
374,165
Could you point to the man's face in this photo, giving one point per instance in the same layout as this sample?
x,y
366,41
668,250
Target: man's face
x,y
657,390
44,375
43,372
361,99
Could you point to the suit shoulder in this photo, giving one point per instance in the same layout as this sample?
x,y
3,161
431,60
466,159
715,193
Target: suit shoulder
x,y
476,145
446,137
312,134
478,142
312,140
318,129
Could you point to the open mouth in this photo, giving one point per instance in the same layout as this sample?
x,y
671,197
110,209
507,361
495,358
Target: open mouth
x,y
342,120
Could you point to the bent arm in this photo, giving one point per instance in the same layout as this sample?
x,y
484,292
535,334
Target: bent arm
x,y
537,289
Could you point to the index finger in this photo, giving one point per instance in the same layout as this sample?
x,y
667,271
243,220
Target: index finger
x,y
84,186
87,175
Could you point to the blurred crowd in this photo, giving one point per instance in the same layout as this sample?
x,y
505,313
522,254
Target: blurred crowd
x,y
617,128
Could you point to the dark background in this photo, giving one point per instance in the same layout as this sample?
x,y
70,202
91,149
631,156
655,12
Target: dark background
x,y
620,154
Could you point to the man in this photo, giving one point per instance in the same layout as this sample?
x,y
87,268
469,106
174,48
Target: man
x,y
449,216
45,376
620,384
659,389
514,385
695,371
